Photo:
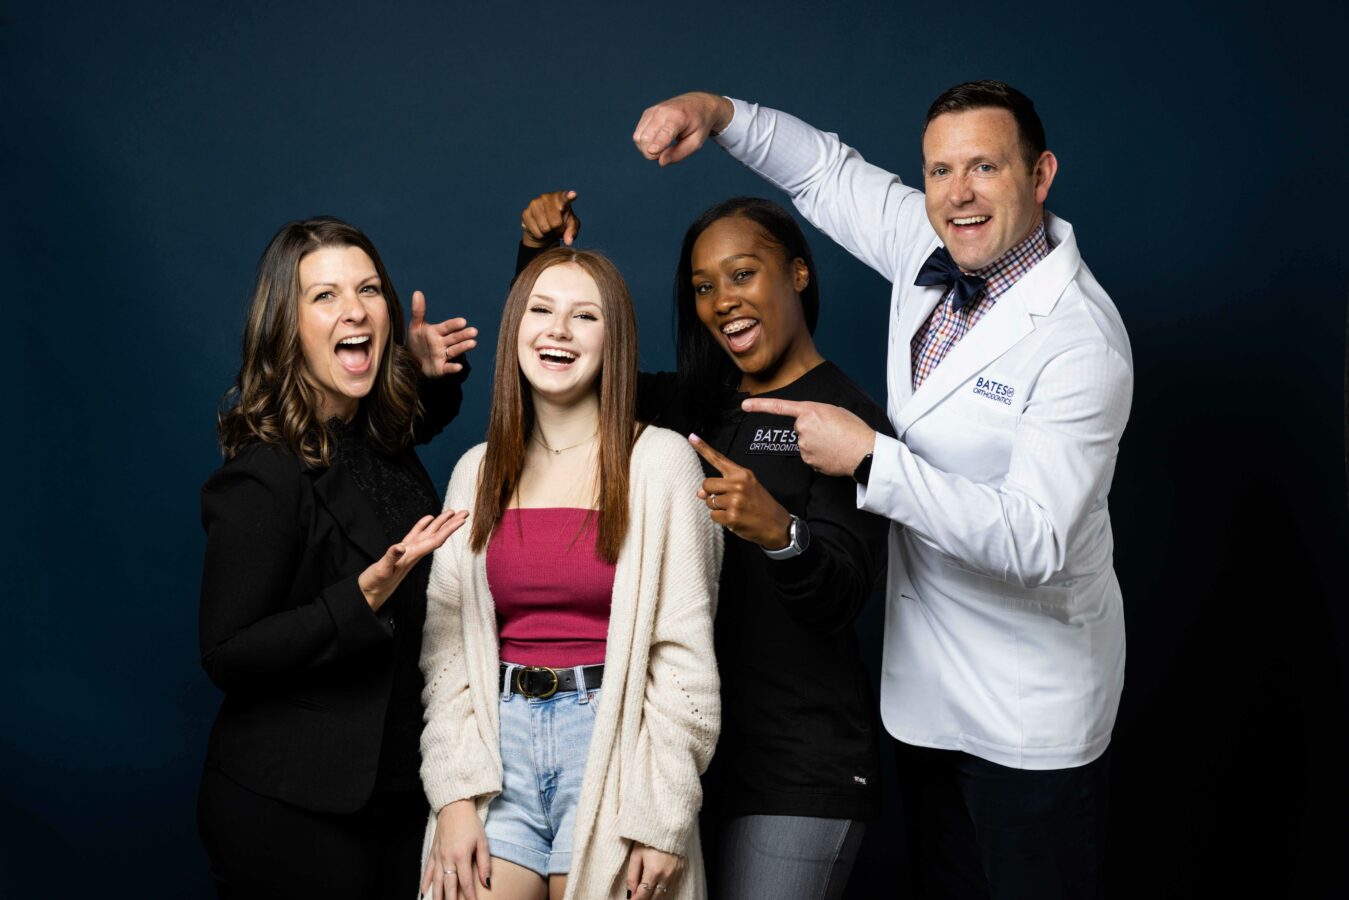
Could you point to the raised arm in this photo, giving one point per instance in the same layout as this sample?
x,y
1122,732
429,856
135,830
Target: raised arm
x,y
867,210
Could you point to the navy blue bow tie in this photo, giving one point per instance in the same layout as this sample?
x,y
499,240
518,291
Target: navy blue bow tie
x,y
940,268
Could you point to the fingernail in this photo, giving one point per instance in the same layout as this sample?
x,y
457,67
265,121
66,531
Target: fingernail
x,y
693,438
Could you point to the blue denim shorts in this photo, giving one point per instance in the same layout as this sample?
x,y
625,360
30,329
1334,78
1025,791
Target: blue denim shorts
x,y
543,754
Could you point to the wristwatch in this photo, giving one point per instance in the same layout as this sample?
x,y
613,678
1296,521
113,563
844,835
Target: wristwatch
x,y
799,540
863,470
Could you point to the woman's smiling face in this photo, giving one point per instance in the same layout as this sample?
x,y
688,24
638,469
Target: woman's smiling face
x,y
343,324
560,343
748,296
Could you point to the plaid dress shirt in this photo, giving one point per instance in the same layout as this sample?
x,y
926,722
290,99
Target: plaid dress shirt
x,y
946,325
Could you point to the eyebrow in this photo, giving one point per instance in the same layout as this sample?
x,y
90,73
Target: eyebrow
x,y
549,298
732,258
971,161
373,276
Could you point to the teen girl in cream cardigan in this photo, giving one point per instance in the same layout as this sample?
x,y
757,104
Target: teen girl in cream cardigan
x,y
571,688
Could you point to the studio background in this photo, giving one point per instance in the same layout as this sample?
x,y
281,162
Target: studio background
x,y
151,149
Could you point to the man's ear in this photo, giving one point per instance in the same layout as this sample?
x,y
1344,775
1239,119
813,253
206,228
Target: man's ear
x,y
1046,167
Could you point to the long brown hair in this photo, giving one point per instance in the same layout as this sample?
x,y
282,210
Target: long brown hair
x,y
512,419
272,400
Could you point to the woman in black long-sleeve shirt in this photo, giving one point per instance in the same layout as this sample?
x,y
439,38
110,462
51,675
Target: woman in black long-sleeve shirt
x,y
796,768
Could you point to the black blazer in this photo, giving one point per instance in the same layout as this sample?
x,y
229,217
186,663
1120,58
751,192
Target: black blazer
x,y
285,631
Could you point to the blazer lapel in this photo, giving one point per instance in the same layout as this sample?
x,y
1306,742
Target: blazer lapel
x,y
338,491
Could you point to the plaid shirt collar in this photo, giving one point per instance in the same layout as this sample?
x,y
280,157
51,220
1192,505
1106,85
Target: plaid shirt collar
x,y
1007,269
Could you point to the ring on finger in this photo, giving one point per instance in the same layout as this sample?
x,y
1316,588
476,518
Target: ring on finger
x,y
643,886
451,871
713,498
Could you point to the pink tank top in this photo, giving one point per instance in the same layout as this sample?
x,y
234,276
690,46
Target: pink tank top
x,y
552,591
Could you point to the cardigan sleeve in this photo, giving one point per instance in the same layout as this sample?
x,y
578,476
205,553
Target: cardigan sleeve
x,y
248,632
457,763
681,711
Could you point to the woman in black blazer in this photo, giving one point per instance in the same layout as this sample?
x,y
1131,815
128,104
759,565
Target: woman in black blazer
x,y
319,527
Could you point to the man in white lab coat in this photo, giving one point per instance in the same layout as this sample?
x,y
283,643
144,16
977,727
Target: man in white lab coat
x,y
1010,379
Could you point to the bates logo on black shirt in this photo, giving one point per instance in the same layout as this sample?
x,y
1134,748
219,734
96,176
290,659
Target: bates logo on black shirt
x,y
773,441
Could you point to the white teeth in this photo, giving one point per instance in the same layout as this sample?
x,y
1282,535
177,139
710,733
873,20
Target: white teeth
x,y
970,220
352,341
737,326
558,354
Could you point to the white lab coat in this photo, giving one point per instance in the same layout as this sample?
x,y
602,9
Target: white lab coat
x,y
1004,633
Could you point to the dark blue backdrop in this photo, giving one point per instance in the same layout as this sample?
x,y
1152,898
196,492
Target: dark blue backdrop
x,y
151,149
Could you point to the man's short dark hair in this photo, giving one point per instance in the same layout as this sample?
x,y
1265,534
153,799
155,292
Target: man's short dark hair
x,y
996,95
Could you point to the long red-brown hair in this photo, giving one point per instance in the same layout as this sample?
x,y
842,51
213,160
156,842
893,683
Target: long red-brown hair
x,y
512,419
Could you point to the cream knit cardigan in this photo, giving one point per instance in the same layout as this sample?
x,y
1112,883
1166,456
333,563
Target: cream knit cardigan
x,y
657,724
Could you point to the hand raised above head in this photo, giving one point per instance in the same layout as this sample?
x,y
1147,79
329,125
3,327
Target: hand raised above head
x,y
672,130
550,218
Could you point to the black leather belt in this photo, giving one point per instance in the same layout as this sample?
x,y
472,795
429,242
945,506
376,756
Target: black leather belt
x,y
541,682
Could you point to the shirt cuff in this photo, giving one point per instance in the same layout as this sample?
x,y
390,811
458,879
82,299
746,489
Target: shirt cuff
x,y
882,492
735,132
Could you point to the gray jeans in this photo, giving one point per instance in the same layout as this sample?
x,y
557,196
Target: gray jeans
x,y
783,858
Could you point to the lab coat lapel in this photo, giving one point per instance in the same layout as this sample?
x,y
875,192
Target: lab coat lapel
x,y
1010,320
912,316
1001,327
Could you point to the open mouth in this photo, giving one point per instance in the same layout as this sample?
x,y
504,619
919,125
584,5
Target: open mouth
x,y
969,223
556,358
741,334
354,353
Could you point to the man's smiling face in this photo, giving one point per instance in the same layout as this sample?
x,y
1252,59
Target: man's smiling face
x,y
983,196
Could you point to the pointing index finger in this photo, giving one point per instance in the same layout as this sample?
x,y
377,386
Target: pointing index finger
x,y
790,408
717,460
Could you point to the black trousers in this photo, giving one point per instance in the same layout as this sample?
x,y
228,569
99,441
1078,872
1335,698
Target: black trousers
x,y
980,830
264,848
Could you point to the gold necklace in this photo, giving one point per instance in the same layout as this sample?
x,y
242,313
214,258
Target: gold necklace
x,y
545,446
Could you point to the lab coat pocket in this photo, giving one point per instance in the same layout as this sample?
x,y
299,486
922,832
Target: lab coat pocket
x,y
1054,601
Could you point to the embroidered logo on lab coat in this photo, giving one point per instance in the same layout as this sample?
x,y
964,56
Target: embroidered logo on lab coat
x,y
994,390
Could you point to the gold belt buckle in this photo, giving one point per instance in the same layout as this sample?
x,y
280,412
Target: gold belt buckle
x,y
520,686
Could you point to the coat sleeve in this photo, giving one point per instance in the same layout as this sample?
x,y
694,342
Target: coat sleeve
x,y
681,710
249,633
1063,454
457,763
866,209
441,398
